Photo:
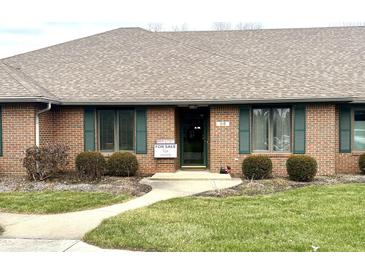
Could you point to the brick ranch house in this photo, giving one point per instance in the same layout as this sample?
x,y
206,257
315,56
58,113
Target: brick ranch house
x,y
220,96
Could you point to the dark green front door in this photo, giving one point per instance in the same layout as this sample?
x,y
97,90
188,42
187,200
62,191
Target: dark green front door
x,y
193,134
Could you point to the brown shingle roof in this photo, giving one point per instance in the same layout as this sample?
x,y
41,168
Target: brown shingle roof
x,y
134,66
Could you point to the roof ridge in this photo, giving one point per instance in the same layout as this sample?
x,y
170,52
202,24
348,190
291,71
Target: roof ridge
x,y
266,29
212,51
27,82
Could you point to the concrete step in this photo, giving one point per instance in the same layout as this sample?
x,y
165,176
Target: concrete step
x,y
189,175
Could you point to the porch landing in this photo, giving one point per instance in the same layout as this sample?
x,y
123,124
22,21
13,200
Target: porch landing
x,y
189,175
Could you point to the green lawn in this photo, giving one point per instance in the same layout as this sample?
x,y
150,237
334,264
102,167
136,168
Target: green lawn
x,y
329,217
56,202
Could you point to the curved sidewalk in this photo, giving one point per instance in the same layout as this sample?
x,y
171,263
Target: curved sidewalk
x,y
73,225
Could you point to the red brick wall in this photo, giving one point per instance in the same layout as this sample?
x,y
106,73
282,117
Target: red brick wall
x,y
65,125
320,138
160,125
46,125
68,128
224,143
18,124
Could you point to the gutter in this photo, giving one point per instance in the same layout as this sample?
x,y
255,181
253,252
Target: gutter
x,y
182,102
37,133
28,100
214,102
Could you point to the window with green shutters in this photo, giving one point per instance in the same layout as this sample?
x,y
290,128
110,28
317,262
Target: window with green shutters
x,y
272,129
115,129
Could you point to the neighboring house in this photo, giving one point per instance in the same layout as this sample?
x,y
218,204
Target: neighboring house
x,y
219,95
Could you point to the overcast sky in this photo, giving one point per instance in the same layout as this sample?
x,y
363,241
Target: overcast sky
x,y
30,24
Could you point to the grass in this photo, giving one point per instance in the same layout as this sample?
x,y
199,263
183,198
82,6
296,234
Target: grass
x,y
56,202
329,217
1,230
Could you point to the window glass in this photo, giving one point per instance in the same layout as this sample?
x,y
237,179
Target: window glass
x,y
126,129
260,129
359,130
281,129
106,129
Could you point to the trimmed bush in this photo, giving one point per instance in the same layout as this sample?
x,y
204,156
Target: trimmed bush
x,y
257,167
45,161
362,163
122,164
90,165
301,168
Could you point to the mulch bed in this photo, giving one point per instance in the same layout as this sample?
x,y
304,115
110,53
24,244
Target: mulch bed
x,y
272,185
69,182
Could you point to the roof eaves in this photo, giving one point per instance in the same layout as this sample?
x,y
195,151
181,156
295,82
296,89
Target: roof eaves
x,y
28,100
27,82
214,102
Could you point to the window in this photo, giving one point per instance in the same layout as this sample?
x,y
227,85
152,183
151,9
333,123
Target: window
x,y
116,130
271,129
359,130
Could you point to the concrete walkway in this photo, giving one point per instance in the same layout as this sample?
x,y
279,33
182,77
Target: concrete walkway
x,y
73,225
31,245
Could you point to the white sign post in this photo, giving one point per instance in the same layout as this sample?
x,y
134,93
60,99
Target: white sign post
x,y
165,151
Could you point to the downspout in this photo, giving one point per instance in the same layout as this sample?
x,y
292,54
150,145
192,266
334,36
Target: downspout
x,y
37,122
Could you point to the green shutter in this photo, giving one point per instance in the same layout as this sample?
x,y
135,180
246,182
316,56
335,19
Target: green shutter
x,y
141,131
244,130
1,131
89,129
345,129
299,129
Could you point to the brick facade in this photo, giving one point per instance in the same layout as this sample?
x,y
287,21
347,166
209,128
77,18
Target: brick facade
x,y
66,125
321,136
63,125
224,143
321,141
160,125
18,133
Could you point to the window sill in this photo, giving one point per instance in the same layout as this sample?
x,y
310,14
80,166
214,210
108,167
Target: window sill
x,y
109,153
357,153
274,154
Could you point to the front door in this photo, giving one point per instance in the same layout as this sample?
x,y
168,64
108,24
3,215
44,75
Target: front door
x,y
193,150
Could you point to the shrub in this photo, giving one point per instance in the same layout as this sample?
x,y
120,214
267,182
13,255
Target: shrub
x,y
90,165
122,164
362,163
45,161
301,168
254,188
257,167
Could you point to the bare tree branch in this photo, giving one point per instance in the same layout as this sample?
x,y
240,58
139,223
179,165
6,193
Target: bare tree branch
x,y
248,25
222,26
155,27
183,27
353,24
